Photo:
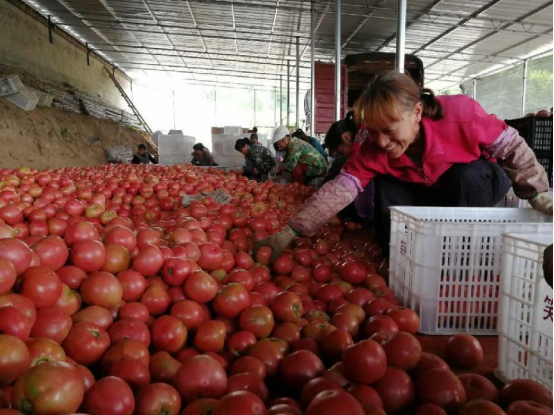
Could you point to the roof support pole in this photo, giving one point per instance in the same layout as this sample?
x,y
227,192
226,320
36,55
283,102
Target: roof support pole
x,y
474,89
337,59
312,70
288,93
280,100
400,35
524,88
297,82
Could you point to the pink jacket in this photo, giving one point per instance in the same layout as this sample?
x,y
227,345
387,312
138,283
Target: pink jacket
x,y
461,136
465,133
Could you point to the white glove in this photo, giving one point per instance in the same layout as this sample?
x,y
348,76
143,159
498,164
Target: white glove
x,y
542,202
278,242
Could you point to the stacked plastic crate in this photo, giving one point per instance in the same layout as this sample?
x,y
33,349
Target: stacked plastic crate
x,y
175,148
223,145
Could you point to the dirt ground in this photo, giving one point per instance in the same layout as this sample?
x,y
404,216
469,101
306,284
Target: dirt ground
x,y
49,138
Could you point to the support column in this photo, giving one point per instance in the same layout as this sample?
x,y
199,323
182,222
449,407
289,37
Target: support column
x,y
280,99
312,68
401,35
288,93
297,82
337,59
524,89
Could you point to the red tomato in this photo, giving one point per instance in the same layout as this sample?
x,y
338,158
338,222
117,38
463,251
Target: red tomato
x,y
403,350
365,394
17,252
239,342
377,306
528,408
524,389
231,300
129,328
201,287
156,299
299,367
118,259
169,334
109,395
406,319
211,256
364,362
288,332
14,323
126,349
42,286
132,371
258,320
51,323
248,364
203,406
479,387
427,362
396,390
200,376
269,353
52,252
189,312
464,350
132,283
441,387
72,276
94,314
158,398
50,387
335,343
88,255
210,336
249,382
14,363
102,289
163,367
380,324
287,306
481,407
331,402
86,343
239,403
148,261
175,271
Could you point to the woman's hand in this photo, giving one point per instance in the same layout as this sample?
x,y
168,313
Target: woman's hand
x,y
278,242
542,202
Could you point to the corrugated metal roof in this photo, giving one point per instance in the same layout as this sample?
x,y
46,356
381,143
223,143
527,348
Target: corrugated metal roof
x,y
248,42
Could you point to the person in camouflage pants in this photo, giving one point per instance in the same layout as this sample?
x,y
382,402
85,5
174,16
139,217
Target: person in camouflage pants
x,y
259,160
301,159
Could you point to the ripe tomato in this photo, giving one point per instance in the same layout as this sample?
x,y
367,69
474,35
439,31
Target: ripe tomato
x,y
258,320
479,387
269,353
210,336
299,367
396,390
52,323
132,283
201,287
481,407
157,299
52,252
42,286
200,377
175,271
239,403
102,289
427,362
132,371
129,328
125,349
118,259
148,261
17,252
464,351
163,367
377,306
189,312
86,343
364,362
202,406
158,398
50,387
331,402
109,395
335,343
441,387
406,319
240,342
72,276
249,382
403,350
231,300
14,323
88,255
287,306
8,275
528,408
169,334
365,394
380,324
94,314
248,364
524,389
14,363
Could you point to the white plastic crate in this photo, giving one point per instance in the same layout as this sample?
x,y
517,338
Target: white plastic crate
x,y
166,160
25,99
525,320
10,85
445,263
232,130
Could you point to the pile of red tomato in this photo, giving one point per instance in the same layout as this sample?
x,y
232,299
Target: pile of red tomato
x,y
114,299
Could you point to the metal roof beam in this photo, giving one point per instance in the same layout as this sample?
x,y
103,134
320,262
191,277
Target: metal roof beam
x,y
476,41
197,29
410,23
458,25
362,23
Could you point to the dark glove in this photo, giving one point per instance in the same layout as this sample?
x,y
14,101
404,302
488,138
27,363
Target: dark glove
x,y
278,242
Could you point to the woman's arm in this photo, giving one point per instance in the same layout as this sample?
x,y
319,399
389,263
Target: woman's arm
x,y
329,200
519,162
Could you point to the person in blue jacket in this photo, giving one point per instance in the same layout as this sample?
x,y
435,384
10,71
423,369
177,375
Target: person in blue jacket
x,y
311,141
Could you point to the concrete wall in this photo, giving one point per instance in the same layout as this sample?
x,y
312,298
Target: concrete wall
x,y
24,43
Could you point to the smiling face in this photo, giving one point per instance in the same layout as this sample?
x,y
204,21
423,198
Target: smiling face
x,y
396,135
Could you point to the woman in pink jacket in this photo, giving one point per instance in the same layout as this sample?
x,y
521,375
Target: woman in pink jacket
x,y
423,150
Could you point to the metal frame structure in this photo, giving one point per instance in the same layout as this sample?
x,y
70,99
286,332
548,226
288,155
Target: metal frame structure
x,y
223,42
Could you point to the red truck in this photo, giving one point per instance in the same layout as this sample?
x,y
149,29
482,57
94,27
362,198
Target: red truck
x,y
357,71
